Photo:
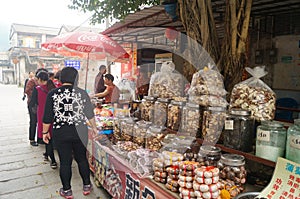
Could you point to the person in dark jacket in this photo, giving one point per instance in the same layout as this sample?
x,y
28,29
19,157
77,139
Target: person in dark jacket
x,y
99,86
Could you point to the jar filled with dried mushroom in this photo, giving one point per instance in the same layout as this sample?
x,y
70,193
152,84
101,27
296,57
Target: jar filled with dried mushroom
x,y
127,127
191,119
209,155
213,123
270,140
147,107
232,167
239,130
117,127
161,111
174,115
139,132
154,136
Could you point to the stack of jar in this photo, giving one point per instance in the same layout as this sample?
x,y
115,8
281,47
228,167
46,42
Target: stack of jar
x,y
206,182
186,177
172,179
127,126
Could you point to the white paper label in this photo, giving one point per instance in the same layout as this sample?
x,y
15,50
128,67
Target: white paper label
x,y
263,135
295,142
228,124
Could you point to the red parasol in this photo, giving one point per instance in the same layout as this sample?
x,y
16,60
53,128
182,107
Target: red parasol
x,y
87,45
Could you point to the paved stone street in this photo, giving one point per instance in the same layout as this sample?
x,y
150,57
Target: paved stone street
x,y
23,172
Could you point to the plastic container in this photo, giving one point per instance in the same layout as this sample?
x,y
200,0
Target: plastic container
x,y
147,107
127,127
293,142
191,119
161,111
154,136
117,127
139,132
213,123
209,155
174,114
270,140
239,129
232,167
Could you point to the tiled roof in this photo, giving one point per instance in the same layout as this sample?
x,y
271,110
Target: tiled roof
x,y
34,29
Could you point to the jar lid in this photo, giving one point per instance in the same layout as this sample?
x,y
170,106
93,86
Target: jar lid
x,y
273,124
237,111
174,102
156,129
233,159
163,100
149,98
192,105
209,150
216,108
143,124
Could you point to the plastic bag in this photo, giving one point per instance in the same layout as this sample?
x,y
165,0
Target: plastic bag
x,y
127,90
167,83
207,81
254,95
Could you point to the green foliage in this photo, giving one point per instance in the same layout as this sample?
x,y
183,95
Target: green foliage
x,y
117,9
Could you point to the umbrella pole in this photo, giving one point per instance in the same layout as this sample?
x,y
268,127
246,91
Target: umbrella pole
x,y
86,72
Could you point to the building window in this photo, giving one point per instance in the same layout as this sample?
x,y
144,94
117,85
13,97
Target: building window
x,y
37,44
20,43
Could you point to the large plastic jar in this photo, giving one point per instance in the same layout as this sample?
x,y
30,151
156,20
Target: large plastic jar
x,y
174,115
293,142
154,136
270,140
213,124
127,127
139,132
209,155
232,167
191,119
161,111
239,129
117,127
147,107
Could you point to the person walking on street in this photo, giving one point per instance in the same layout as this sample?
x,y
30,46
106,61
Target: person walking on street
x,y
30,86
99,86
67,107
30,76
38,99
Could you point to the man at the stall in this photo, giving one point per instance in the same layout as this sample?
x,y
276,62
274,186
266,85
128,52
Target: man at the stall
x,y
111,93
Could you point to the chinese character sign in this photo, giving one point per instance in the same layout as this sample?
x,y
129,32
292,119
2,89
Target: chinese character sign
x,y
285,183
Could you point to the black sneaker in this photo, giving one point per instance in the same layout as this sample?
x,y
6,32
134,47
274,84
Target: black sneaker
x,y
87,189
53,165
45,157
66,194
33,143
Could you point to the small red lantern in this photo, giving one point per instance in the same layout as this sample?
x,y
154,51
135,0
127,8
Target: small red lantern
x,y
171,33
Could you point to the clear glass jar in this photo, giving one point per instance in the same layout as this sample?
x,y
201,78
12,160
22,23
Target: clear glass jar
x,y
117,127
293,142
154,136
147,107
191,119
239,129
139,132
209,155
134,109
161,111
174,115
232,167
213,123
270,140
127,127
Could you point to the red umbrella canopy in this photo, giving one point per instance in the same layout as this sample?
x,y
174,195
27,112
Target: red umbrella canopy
x,y
85,45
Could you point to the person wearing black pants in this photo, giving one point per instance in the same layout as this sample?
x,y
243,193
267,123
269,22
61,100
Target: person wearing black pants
x,y
32,125
67,107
